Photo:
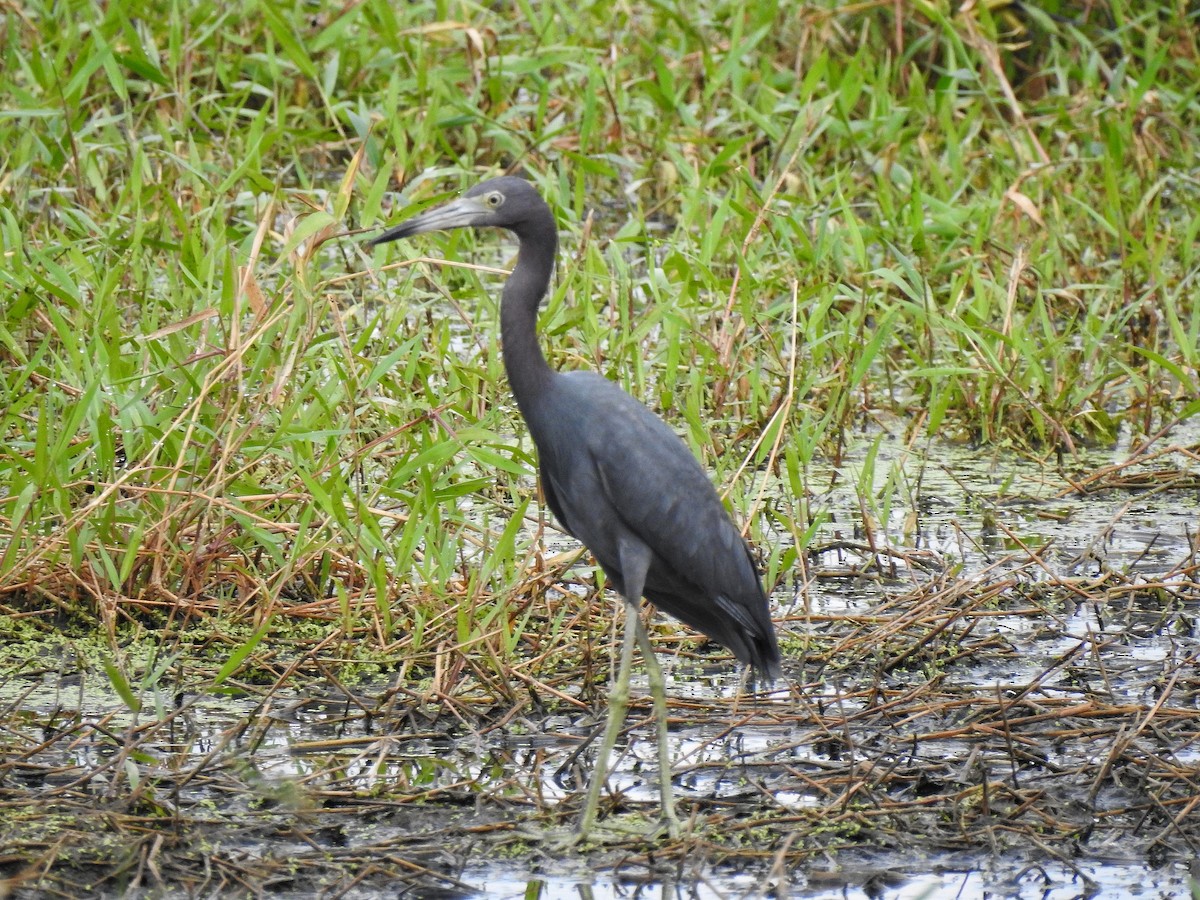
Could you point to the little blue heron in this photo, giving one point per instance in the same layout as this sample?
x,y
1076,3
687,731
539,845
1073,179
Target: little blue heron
x,y
617,478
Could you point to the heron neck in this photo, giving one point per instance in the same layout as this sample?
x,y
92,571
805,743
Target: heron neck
x,y
528,371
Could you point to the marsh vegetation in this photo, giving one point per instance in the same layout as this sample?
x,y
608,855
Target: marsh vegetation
x,y
279,606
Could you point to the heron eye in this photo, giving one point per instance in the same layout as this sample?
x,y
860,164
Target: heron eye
x,y
495,199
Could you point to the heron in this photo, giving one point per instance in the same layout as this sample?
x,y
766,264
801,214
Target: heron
x,y
617,478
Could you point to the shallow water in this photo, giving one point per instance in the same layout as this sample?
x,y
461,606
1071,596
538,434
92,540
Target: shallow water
x,y
1035,881
998,659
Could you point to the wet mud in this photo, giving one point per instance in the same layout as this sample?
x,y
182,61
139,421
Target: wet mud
x,y
991,687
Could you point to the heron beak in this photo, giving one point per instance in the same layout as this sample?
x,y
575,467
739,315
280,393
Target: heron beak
x,y
455,214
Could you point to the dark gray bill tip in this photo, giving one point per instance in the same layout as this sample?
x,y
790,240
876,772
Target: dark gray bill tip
x,y
402,230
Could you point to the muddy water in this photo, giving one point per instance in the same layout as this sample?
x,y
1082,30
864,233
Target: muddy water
x,y
982,577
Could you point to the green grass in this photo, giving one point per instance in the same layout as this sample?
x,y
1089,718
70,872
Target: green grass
x,y
780,222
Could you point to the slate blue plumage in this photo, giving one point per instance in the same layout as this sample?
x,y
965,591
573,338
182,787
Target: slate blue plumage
x,y
615,475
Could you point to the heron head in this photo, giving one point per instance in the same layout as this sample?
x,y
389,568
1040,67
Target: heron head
x,y
506,202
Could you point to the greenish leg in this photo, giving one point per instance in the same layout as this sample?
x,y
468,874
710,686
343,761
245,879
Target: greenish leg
x,y
658,690
618,703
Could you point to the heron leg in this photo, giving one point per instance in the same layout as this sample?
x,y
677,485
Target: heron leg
x,y
658,690
618,703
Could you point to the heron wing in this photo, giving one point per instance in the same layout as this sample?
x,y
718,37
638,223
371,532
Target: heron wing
x,y
613,470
